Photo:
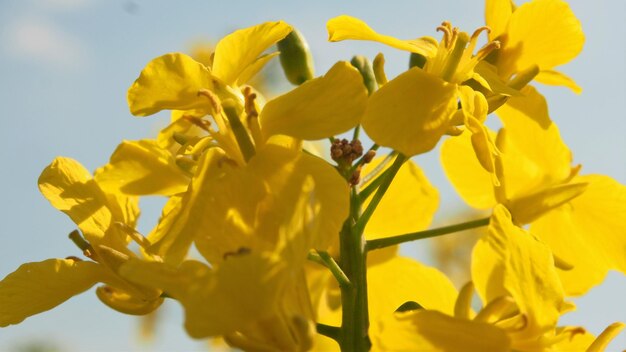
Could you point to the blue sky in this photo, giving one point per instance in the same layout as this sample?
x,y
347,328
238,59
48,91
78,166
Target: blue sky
x,y
66,65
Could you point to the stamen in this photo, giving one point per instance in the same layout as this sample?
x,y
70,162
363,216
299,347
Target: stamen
x,y
486,50
253,117
203,124
85,246
493,311
447,33
213,100
480,30
135,235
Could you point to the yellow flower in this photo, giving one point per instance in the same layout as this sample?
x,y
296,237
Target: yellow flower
x,y
414,110
545,33
37,287
255,226
522,299
576,215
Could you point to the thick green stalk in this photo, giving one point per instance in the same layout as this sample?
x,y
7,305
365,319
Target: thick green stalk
x,y
391,241
355,320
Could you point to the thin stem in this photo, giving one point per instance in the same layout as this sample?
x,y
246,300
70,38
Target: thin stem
x,y
334,268
380,192
328,331
357,131
391,241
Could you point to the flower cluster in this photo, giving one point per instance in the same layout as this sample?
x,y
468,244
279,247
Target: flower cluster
x,y
295,252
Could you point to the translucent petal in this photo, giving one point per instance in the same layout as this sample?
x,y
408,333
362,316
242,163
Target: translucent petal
x,y
345,27
588,233
468,177
556,78
541,32
240,49
216,301
319,108
522,266
396,281
408,205
125,303
424,330
142,168
170,82
411,112
69,187
497,14
37,287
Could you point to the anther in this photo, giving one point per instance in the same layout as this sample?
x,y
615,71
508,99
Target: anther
x,y
203,124
480,30
214,100
238,252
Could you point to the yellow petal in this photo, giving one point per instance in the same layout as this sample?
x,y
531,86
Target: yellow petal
x,y
256,66
408,205
520,265
528,208
556,78
69,187
170,82
424,330
125,303
240,49
345,27
578,339
180,126
545,33
411,112
534,155
245,288
319,108
468,177
37,287
605,337
142,168
497,14
283,200
396,281
588,233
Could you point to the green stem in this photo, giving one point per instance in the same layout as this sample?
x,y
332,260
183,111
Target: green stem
x,y
355,317
357,131
328,331
380,192
334,268
241,134
391,241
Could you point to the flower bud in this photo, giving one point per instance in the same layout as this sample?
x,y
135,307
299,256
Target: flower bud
x,y
296,58
364,66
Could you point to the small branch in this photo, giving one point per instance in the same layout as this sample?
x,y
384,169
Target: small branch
x,y
334,268
328,331
391,241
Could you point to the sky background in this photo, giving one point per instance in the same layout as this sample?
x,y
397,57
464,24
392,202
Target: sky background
x,y
65,67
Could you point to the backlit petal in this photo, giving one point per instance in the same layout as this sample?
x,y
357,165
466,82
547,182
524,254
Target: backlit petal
x,y
424,330
345,27
244,288
70,188
411,112
408,205
37,287
497,14
545,33
588,233
142,168
319,108
240,49
170,82
515,259
468,177
556,78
